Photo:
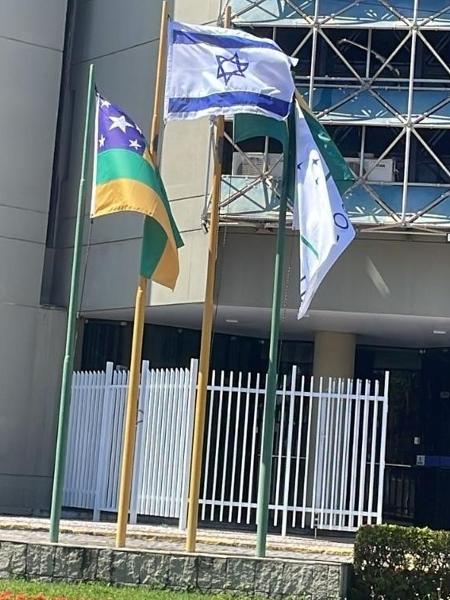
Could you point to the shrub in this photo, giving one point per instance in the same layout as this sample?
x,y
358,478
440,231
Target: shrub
x,y
401,563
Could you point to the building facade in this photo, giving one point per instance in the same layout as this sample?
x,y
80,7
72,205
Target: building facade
x,y
31,332
376,74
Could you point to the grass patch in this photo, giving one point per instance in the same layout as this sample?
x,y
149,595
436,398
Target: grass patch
x,y
20,589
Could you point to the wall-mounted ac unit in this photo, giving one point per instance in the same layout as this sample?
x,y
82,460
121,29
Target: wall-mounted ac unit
x,y
241,167
383,171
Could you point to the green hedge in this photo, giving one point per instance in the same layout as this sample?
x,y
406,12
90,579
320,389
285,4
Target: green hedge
x,y
401,563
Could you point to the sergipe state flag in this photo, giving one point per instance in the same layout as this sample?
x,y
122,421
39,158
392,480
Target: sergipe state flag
x,y
216,71
319,214
126,179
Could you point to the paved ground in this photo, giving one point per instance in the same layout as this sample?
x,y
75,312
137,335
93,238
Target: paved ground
x,y
171,539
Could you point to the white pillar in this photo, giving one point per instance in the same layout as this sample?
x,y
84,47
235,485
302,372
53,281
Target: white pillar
x,y
334,356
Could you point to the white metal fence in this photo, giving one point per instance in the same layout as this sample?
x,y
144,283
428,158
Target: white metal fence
x,y
163,441
328,455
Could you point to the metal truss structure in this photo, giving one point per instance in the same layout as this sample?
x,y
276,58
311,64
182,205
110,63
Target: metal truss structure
x,y
377,74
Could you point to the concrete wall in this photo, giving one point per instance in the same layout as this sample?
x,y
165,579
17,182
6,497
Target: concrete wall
x,y
31,44
206,573
388,276
125,63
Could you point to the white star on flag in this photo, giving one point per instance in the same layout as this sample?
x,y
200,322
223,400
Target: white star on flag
x,y
105,103
101,141
119,123
135,144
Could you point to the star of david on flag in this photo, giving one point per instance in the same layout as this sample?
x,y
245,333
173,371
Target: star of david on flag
x,y
229,67
215,71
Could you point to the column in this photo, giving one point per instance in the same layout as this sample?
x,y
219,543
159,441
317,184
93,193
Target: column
x,y
334,354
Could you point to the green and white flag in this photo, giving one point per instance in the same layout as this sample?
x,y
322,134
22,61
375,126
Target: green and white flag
x,y
321,176
317,176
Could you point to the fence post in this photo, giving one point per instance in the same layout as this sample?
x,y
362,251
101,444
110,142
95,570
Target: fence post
x,y
102,454
193,372
138,453
383,448
287,470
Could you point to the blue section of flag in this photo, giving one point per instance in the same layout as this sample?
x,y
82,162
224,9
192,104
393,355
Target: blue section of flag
x,y
229,41
229,99
116,130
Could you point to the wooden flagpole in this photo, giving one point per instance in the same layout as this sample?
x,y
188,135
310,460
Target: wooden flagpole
x,y
126,473
205,344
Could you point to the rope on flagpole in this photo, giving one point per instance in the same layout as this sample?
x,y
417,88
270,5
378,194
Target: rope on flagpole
x,y
284,307
83,283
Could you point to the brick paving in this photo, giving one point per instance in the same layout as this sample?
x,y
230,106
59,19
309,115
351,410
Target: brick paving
x,y
171,539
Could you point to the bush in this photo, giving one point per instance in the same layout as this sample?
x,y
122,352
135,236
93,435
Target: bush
x,y
396,562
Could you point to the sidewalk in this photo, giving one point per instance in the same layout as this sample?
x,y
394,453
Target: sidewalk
x,y
171,539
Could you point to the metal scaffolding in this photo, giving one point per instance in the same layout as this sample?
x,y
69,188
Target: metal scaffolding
x,y
377,75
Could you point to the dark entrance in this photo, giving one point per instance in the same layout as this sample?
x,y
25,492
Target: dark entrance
x,y
433,478
417,479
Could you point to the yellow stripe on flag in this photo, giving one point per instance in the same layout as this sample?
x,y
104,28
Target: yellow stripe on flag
x,y
166,273
131,195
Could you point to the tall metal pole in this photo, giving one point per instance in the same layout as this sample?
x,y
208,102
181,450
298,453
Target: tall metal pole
x,y
66,383
126,473
205,344
265,466
409,124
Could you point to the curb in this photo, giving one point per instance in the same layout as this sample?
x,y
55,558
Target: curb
x,y
177,537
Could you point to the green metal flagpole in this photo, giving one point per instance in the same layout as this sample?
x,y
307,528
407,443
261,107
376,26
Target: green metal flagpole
x,y
265,465
66,383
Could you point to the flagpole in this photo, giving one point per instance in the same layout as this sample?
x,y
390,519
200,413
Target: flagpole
x,y
265,465
205,343
126,473
72,309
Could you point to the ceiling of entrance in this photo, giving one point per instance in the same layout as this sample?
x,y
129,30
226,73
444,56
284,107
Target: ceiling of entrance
x,y
377,329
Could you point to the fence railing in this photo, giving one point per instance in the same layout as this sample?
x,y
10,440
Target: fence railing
x,y
163,441
328,456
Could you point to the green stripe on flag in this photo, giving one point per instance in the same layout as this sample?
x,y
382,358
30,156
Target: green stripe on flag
x,y
310,246
127,164
251,126
154,241
338,167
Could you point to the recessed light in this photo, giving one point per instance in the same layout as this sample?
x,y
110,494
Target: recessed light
x,y
231,321
439,332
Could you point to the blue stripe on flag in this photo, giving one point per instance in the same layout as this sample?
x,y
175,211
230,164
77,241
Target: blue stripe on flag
x,y
221,41
228,99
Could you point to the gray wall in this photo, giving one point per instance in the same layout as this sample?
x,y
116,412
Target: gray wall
x,y
31,44
125,61
392,277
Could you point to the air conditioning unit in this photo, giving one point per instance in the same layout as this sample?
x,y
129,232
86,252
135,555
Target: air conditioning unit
x,y
383,171
243,168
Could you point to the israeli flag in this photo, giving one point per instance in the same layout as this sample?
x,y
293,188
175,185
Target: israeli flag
x,y
216,71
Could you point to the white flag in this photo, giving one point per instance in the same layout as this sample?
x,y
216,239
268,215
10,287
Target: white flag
x,y
319,214
216,71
